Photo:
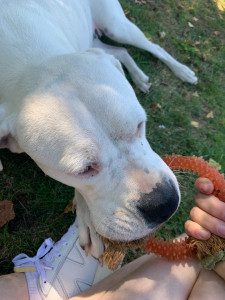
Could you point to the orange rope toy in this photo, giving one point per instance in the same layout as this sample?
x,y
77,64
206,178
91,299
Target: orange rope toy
x,y
174,249
178,250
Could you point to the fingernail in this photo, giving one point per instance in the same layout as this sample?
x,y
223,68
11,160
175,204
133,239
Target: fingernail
x,y
205,188
203,234
221,230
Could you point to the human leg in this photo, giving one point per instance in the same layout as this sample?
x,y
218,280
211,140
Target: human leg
x,y
148,277
208,286
13,286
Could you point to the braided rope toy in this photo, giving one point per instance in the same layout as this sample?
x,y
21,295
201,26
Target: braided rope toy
x,y
209,251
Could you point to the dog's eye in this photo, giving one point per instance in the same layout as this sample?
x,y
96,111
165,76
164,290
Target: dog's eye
x,y
90,170
140,129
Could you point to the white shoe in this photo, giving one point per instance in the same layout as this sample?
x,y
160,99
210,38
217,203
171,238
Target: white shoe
x,y
60,270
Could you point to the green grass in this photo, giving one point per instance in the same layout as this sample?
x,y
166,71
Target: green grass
x,y
39,201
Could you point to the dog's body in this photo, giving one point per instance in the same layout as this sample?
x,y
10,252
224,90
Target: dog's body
x,y
72,110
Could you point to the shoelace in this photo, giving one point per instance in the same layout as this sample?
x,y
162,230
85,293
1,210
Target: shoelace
x,y
42,260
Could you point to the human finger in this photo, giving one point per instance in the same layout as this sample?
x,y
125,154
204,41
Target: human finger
x,y
207,221
204,185
212,205
197,231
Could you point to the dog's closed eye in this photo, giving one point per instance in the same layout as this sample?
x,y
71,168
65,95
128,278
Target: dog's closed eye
x,y
140,130
89,170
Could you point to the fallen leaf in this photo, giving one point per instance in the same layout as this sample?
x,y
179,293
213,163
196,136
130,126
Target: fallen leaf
x,y
196,69
6,212
195,94
155,106
195,124
216,32
161,34
204,57
69,207
210,115
190,25
132,19
180,5
215,164
221,122
140,2
195,19
164,83
197,43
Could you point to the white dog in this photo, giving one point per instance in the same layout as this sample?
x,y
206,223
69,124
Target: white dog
x,y
68,105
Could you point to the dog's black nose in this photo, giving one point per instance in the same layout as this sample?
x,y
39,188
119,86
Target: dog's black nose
x,y
158,206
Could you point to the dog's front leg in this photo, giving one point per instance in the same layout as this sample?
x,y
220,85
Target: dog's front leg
x,y
88,238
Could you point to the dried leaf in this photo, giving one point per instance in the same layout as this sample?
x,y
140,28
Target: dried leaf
x,y
210,115
190,25
161,34
180,5
155,106
216,32
164,83
126,12
69,207
6,212
195,94
195,124
204,57
195,19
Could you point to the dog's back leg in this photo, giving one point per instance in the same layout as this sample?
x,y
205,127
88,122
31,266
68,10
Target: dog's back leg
x,y
137,75
114,24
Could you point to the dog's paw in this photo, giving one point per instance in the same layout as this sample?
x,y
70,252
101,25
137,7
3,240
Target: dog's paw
x,y
88,238
184,73
142,81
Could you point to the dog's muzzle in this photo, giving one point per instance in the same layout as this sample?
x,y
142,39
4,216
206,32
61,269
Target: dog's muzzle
x,y
159,205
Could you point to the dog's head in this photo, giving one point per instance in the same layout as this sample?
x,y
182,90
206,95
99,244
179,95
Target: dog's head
x,y
84,126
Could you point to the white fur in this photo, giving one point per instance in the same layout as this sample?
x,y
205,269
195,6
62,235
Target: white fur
x,y
69,106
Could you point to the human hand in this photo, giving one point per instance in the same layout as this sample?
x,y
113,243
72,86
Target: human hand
x,y
209,214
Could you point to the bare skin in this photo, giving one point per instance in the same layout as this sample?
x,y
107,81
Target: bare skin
x,y
154,278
